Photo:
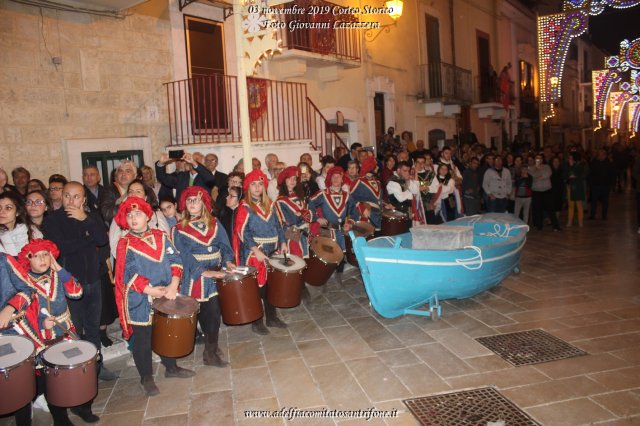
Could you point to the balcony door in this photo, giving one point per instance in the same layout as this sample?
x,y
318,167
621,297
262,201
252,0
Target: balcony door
x,y
209,88
488,77
433,56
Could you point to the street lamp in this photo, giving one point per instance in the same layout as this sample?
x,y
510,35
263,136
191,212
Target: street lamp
x,y
394,8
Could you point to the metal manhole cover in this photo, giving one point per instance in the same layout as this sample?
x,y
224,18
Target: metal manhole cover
x,y
530,347
482,406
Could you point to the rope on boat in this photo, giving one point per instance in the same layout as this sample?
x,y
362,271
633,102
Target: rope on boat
x,y
504,233
463,262
390,240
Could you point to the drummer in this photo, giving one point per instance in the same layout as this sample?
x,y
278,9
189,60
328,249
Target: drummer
x,y
402,189
258,234
53,285
366,193
147,266
294,216
204,248
336,210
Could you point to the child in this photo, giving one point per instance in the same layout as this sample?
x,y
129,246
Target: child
x,y
169,208
52,285
147,265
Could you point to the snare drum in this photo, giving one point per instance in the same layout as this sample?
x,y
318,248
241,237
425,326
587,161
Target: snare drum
x,y
325,256
71,373
240,300
360,229
394,222
285,281
17,373
174,325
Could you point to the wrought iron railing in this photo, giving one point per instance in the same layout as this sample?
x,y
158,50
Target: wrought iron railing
x,y
323,139
445,81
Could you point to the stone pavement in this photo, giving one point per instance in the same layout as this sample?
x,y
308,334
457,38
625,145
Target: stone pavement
x,y
580,285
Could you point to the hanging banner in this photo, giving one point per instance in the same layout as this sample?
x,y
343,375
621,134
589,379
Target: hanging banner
x,y
257,91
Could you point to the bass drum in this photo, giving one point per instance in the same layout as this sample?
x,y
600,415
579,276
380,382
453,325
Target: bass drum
x,y
394,222
17,373
325,256
285,281
239,295
360,229
174,325
71,373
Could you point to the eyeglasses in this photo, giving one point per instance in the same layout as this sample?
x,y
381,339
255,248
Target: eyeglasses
x,y
34,203
193,200
211,160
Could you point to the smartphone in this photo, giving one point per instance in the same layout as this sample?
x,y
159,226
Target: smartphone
x,y
369,149
176,154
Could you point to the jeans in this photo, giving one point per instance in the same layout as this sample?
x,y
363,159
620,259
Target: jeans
x,y
599,194
85,312
497,205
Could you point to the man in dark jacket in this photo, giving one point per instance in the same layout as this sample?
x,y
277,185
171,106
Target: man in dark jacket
x,y
110,199
600,178
352,156
92,187
196,174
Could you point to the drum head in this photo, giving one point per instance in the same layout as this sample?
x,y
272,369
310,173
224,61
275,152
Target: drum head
x,y
363,229
237,276
69,352
394,214
181,306
14,350
327,250
294,263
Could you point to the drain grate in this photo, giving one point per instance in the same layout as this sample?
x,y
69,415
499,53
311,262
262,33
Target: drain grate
x,y
530,347
480,406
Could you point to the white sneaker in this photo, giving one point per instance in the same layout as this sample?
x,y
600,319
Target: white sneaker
x,y
41,403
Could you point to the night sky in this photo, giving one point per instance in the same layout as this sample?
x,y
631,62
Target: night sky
x,y
609,28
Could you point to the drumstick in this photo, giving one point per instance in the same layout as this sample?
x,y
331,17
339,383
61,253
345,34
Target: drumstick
x,y
73,335
14,319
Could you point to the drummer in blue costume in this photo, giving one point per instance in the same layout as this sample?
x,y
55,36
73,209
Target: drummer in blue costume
x,y
147,266
204,248
257,235
16,294
333,208
366,193
293,213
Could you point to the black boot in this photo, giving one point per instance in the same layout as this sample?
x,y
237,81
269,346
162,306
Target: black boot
x,y
259,328
179,372
149,386
210,355
84,412
60,416
104,338
272,316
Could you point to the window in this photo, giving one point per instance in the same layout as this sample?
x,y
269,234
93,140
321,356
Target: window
x,y
107,161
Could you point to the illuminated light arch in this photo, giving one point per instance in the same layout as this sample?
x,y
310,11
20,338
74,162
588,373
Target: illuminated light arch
x,y
633,109
602,81
618,101
555,33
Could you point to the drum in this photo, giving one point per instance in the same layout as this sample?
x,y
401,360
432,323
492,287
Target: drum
x,y
285,281
394,222
71,373
325,256
360,229
17,373
174,325
240,300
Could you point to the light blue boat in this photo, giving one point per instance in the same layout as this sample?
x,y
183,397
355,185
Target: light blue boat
x,y
399,279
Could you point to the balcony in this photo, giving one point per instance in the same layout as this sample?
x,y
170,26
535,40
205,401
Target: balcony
x,y
309,40
444,87
488,101
205,110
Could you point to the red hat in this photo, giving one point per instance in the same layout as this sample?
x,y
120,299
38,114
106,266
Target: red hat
x,y
254,176
286,174
332,171
369,164
195,191
128,205
34,247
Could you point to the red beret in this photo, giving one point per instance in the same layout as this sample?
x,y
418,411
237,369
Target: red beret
x,y
195,191
34,247
369,164
254,176
332,171
286,174
128,205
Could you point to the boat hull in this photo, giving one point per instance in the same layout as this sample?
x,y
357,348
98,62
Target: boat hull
x,y
399,279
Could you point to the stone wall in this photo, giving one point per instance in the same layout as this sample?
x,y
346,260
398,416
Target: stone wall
x,y
108,84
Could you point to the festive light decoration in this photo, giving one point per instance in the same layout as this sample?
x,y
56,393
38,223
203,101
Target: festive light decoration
x,y
618,101
602,80
261,42
633,109
555,33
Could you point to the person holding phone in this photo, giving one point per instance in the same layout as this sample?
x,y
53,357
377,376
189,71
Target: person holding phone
x,y
196,174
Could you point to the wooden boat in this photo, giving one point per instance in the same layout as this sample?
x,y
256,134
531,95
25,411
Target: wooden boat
x,y
399,279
